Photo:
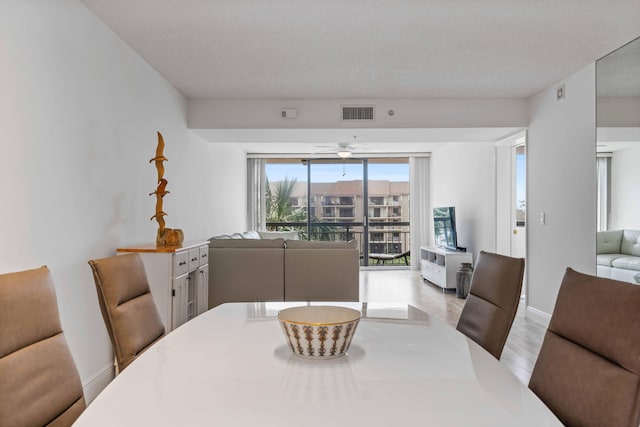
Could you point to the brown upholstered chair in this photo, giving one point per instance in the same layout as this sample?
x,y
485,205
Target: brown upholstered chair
x,y
127,306
588,369
493,299
39,382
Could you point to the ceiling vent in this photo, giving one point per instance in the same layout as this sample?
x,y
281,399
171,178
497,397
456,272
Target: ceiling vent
x,y
358,112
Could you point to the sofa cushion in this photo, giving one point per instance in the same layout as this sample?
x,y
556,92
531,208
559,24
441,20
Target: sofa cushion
x,y
246,235
321,271
251,234
222,236
630,242
608,242
607,259
628,263
246,243
290,235
316,244
246,270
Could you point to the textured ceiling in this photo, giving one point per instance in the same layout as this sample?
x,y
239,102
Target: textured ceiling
x,y
369,48
618,74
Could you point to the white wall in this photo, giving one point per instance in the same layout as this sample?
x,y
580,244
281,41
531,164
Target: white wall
x,y
561,177
625,189
79,113
462,175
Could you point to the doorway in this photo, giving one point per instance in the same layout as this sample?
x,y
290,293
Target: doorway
x,y
511,198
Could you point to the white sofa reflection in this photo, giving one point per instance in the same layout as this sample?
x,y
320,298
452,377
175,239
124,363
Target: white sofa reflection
x,y
618,255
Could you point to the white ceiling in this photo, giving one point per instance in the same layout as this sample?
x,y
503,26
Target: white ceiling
x,y
311,49
369,48
618,74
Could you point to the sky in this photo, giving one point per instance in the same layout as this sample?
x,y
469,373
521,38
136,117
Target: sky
x,y
338,172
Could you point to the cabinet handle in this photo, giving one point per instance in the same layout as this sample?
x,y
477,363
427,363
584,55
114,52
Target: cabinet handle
x,y
183,263
194,259
204,255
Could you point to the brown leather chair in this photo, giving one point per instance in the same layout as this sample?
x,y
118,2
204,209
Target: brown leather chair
x,y
39,382
128,309
493,299
588,369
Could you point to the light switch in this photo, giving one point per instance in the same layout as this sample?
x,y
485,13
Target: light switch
x,y
543,218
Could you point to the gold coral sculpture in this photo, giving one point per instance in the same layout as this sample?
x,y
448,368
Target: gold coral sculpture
x,y
166,236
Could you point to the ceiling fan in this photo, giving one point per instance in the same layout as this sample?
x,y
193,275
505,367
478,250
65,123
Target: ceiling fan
x,y
345,149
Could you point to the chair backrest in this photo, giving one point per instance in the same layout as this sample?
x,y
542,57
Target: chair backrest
x,y
127,306
588,369
493,299
39,382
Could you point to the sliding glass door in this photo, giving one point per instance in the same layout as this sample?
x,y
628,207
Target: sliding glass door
x,y
336,200
388,210
285,196
341,200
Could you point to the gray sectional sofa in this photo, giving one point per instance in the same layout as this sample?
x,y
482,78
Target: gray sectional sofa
x,y
618,255
245,267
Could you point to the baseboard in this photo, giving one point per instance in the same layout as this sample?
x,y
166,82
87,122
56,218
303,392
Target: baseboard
x,y
538,316
94,385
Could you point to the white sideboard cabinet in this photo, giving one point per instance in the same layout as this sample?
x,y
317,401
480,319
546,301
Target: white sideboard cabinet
x,y
439,265
178,278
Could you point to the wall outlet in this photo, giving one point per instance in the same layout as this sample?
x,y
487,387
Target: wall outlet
x,y
543,218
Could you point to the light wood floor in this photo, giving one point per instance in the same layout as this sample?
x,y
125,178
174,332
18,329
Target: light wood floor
x,y
407,287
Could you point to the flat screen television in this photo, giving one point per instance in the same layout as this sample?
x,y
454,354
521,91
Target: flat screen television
x,y
444,225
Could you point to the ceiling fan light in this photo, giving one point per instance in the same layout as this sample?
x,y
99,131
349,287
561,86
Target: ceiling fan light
x,y
343,153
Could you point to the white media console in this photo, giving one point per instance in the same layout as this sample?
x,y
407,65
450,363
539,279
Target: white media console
x,y
439,265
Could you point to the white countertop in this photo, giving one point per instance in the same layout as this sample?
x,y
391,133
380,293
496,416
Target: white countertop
x,y
231,366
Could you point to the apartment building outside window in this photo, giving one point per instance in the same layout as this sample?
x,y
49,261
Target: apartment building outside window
x,y
346,213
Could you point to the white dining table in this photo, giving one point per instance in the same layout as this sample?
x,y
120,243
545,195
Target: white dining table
x,y
231,366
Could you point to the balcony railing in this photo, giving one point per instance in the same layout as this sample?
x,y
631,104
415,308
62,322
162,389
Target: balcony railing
x,y
394,239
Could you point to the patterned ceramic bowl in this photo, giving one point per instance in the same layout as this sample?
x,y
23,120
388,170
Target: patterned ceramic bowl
x,y
319,332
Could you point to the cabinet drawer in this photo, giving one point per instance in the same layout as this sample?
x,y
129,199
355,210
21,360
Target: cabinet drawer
x,y
204,255
180,263
194,258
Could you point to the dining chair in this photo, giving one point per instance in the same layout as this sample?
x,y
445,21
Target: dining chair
x,y
493,299
588,369
39,381
127,306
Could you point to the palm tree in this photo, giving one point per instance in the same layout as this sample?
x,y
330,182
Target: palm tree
x,y
278,205
279,209
278,201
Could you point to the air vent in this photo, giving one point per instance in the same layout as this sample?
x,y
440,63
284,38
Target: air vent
x,y
358,112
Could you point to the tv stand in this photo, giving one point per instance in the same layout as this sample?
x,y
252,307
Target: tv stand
x,y
439,265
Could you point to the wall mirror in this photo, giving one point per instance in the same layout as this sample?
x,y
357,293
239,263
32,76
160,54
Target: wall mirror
x,y
618,160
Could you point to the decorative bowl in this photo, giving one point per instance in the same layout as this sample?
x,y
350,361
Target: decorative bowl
x,y
319,332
